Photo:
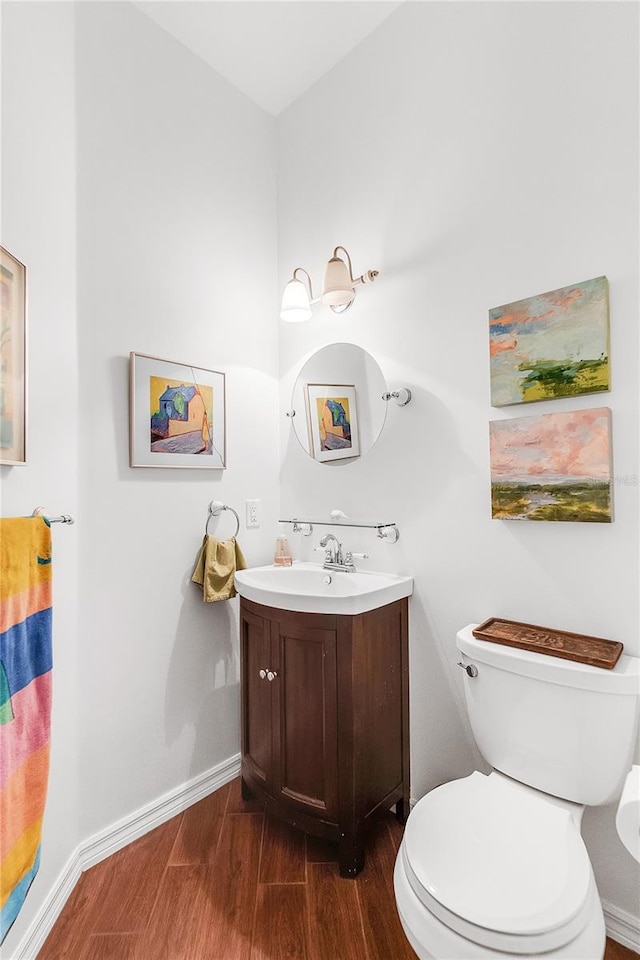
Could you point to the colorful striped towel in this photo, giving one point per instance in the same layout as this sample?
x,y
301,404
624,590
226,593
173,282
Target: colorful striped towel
x,y
25,704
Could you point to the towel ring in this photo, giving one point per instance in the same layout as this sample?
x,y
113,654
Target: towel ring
x,y
215,509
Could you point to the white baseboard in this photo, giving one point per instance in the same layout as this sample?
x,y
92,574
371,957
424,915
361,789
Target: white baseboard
x,y
118,835
50,910
114,838
622,926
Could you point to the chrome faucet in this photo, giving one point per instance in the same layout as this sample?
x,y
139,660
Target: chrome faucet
x,y
334,559
333,552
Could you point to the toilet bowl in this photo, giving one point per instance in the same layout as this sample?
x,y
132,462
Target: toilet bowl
x,y
489,867
494,865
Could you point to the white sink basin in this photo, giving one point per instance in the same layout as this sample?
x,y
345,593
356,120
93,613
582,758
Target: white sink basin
x,y
310,589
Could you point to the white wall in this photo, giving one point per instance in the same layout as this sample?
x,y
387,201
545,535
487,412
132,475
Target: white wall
x,y
176,258
38,225
475,153
120,144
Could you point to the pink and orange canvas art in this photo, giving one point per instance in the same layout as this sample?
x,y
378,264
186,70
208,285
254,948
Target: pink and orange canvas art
x,y
552,345
556,466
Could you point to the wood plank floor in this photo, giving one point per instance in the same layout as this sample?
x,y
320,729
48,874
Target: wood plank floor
x,y
223,882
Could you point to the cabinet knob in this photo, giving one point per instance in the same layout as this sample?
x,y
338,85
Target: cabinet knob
x,y
271,675
262,674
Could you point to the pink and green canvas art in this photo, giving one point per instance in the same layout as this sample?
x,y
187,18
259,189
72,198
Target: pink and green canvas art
x,y
556,466
552,345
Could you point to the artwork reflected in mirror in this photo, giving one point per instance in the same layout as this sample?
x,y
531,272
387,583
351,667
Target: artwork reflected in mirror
x,y
332,421
338,404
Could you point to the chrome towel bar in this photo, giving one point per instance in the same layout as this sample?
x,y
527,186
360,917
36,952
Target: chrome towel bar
x,y
64,518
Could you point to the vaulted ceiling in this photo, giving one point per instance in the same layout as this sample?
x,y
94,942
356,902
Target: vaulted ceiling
x,y
271,51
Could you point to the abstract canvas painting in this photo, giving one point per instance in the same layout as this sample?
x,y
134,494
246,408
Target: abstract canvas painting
x,y
177,414
552,345
333,421
556,466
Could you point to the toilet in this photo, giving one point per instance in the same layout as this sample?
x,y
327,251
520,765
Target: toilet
x,y
494,865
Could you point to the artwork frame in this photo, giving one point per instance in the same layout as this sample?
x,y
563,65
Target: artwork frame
x,y
552,466
328,424
552,345
177,414
13,360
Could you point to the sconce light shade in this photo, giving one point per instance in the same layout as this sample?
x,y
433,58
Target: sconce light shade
x,y
337,289
296,306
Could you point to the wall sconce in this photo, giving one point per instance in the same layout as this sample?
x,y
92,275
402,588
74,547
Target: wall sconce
x,y
297,298
337,290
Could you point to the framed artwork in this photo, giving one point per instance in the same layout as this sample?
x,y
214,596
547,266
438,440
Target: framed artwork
x,y
177,414
332,420
553,345
13,360
556,466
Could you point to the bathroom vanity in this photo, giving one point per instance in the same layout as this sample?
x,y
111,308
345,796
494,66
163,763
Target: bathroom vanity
x,y
325,718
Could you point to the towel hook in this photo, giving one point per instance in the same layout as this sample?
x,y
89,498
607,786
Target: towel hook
x,y
215,509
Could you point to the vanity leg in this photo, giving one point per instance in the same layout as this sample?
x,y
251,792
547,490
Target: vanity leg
x,y
245,793
351,853
402,810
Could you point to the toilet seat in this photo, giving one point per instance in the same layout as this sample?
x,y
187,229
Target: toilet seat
x,y
500,863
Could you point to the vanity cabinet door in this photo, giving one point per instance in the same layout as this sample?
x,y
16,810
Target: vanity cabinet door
x,y
305,724
257,696
325,719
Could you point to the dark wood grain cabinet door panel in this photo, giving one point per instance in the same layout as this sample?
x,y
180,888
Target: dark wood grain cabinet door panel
x,y
257,696
378,693
307,734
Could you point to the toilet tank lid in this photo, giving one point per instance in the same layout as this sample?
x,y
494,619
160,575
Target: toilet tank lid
x,y
622,679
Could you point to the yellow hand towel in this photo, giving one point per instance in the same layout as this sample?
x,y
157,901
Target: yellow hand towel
x,y
216,566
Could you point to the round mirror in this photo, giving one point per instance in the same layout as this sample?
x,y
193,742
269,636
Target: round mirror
x,y
338,404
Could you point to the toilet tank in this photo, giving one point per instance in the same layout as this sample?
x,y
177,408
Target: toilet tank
x,y
566,728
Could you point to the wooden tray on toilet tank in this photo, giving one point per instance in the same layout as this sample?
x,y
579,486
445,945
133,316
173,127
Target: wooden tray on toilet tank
x,y
555,643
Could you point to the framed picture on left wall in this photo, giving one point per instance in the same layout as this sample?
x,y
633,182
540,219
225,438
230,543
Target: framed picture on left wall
x,y
177,414
13,360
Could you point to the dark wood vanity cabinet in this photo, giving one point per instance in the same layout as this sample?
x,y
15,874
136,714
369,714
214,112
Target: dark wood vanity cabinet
x,y
325,719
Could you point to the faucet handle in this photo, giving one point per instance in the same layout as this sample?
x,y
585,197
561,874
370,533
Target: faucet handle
x,y
349,556
328,555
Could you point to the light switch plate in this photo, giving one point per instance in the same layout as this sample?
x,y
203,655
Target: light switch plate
x,y
253,512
